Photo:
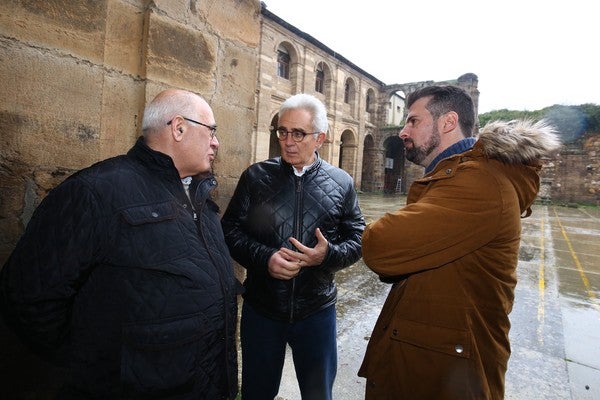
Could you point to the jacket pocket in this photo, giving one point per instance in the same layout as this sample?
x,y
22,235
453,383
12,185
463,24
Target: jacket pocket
x,y
150,235
163,357
451,341
148,214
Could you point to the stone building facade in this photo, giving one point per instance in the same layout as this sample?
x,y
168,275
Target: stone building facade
x,y
365,114
292,62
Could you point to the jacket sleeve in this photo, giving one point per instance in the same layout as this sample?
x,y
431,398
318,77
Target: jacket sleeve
x,y
247,251
48,265
345,250
451,219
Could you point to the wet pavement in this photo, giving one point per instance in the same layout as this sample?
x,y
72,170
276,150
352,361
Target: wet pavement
x,y
555,334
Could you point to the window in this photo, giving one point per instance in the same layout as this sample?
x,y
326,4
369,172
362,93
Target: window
x,y
368,103
283,63
320,78
347,92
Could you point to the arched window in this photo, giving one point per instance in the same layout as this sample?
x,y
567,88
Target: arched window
x,y
283,62
320,79
347,92
368,102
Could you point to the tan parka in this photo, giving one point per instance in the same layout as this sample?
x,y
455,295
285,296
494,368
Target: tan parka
x,y
452,254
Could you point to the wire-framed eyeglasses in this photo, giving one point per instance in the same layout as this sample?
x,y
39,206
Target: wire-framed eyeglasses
x,y
213,128
297,134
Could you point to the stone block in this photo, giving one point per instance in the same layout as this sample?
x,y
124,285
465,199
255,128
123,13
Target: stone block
x,y
76,27
124,32
123,101
180,56
229,20
53,117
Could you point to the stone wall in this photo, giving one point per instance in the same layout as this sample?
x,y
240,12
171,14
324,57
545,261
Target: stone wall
x,y
573,176
348,121
76,75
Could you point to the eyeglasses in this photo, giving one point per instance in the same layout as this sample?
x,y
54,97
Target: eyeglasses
x,y
297,134
213,128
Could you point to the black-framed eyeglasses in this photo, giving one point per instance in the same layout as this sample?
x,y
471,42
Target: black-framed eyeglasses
x,y
213,128
297,134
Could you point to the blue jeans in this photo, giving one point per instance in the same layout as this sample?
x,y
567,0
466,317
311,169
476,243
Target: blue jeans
x,y
314,350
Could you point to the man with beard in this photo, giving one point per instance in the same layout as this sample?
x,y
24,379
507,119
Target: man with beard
x,y
451,253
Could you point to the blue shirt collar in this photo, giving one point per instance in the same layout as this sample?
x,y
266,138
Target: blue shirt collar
x,y
458,147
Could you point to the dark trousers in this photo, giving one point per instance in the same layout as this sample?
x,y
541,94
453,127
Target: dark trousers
x,y
314,350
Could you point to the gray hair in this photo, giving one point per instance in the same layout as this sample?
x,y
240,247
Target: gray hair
x,y
310,103
165,107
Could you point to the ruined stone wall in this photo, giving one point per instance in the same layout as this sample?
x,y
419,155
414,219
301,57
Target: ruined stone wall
x,y
573,176
76,75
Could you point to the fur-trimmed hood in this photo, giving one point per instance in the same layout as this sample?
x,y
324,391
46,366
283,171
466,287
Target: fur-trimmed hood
x,y
518,141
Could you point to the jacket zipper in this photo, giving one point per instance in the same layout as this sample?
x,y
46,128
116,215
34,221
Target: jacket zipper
x,y
190,196
220,274
297,235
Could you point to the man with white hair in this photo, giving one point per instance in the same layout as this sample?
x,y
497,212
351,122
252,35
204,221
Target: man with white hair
x,y
292,223
123,275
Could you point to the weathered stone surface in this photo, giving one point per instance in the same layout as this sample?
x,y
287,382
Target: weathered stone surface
x,y
123,47
75,27
76,75
180,56
574,174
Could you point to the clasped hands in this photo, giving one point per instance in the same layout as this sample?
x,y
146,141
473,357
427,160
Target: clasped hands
x,y
286,263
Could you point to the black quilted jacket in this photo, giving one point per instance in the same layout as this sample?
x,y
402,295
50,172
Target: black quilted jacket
x,y
115,278
270,205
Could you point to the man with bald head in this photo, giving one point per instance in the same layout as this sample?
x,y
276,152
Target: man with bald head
x,y
122,275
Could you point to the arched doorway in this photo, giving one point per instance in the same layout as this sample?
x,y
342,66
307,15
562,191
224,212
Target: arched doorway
x,y
274,148
368,182
393,165
348,152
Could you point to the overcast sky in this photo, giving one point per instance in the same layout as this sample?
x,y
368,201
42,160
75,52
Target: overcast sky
x,y
527,54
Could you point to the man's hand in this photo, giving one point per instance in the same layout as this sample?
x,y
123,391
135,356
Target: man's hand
x,y
283,266
309,256
285,263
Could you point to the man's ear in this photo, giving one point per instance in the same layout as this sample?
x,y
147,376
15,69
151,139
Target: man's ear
x,y
177,131
448,122
321,139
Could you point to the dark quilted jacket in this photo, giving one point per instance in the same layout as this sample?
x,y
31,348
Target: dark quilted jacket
x,y
114,278
270,205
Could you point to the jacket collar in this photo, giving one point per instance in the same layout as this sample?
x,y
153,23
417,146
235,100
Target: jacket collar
x,y
524,177
163,166
458,147
159,163
312,168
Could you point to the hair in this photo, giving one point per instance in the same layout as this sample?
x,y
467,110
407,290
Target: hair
x,y
167,105
445,99
310,103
